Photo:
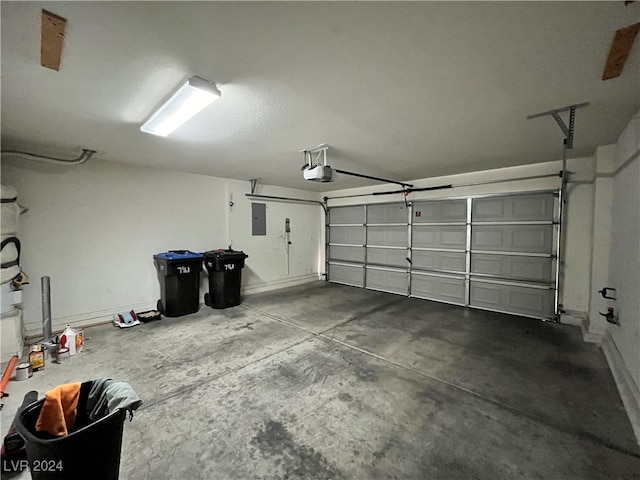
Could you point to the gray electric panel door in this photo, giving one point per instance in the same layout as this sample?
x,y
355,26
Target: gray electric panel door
x,y
512,258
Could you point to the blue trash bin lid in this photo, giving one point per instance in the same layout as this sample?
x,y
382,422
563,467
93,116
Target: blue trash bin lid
x,y
178,255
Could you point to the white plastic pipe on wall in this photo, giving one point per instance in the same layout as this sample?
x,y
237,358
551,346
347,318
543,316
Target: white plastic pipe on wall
x,y
84,156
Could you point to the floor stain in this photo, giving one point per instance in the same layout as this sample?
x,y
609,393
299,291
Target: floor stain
x,y
382,453
354,336
345,397
367,374
247,326
232,313
288,371
297,461
569,369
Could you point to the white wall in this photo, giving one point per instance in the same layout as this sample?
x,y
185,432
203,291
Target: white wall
x,y
600,237
624,269
579,210
93,229
267,265
624,264
616,264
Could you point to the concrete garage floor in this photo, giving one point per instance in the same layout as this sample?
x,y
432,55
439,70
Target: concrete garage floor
x,y
329,381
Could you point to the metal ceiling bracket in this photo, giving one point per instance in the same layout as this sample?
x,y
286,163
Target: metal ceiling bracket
x,y
564,175
566,130
254,184
319,151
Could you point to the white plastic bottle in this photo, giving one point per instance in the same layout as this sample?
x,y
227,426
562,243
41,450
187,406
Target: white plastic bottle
x,y
71,340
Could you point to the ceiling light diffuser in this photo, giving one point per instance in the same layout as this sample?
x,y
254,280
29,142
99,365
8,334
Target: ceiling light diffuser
x,y
190,99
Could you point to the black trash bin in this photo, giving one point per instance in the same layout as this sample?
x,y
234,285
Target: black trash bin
x,y
225,274
179,277
90,451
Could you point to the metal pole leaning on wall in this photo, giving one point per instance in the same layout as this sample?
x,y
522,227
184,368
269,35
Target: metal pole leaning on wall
x,y
46,308
564,174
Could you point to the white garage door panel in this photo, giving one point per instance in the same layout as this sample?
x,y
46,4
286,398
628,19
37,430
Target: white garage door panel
x,y
396,257
348,274
518,208
440,236
346,215
436,260
396,213
443,211
519,300
444,289
388,236
500,255
512,238
394,281
349,235
346,254
516,267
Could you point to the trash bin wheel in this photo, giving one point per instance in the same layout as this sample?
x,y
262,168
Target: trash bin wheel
x,y
159,307
206,300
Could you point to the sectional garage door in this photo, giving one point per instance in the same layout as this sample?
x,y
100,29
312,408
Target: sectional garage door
x,y
496,253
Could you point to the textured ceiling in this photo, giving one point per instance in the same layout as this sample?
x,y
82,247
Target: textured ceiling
x,y
398,90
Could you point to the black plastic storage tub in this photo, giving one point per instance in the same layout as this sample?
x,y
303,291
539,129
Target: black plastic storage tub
x,y
91,451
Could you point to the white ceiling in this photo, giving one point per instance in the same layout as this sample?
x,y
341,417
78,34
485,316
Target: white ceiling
x,y
398,90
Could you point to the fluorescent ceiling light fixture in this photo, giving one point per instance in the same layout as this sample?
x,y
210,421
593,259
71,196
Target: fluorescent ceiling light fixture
x,y
190,99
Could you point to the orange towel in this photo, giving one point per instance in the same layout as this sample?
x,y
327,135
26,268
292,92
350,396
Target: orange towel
x,y
59,409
